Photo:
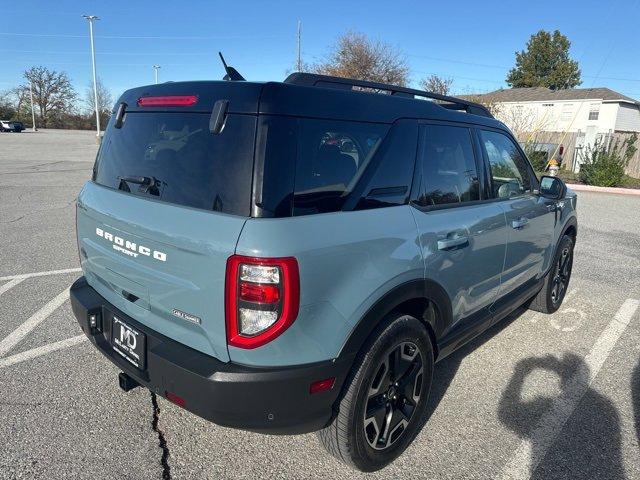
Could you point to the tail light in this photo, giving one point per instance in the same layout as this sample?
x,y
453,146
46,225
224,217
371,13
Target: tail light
x,y
261,299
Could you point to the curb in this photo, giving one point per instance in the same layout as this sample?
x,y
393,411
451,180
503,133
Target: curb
x,y
590,188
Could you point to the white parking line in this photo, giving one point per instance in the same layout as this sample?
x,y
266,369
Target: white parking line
x,y
40,274
537,316
38,352
32,322
9,285
523,462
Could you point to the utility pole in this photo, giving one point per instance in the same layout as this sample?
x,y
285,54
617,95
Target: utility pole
x,y
33,111
155,69
91,19
299,64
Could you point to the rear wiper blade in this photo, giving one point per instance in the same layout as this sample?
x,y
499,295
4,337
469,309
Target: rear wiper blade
x,y
148,185
138,180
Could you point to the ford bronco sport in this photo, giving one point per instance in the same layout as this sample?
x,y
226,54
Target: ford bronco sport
x,y
286,257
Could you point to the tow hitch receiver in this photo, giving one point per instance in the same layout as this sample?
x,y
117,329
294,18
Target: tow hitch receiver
x,y
126,382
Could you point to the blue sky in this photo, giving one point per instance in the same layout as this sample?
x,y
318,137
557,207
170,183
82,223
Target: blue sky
x,y
471,41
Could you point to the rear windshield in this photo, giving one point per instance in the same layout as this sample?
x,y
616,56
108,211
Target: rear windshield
x,y
173,157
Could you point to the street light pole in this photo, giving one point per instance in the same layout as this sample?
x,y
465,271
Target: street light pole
x,y
299,45
33,111
91,19
155,70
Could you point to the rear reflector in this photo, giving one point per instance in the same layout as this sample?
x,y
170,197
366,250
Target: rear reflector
x,y
322,385
176,399
168,101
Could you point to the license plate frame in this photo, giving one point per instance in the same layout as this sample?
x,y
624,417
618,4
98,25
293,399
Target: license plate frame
x,y
129,343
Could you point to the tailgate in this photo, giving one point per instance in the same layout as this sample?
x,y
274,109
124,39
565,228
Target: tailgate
x,y
160,263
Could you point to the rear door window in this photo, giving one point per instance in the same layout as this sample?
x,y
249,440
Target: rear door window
x,y
449,172
173,157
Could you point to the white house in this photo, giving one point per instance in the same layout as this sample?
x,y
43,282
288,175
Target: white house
x,y
597,110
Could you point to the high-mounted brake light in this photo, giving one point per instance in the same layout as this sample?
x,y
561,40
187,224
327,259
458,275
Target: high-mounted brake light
x,y
261,299
168,101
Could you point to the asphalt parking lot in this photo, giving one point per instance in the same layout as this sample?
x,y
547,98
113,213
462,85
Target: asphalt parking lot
x,y
535,397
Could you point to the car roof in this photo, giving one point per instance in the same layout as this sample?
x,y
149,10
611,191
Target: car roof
x,y
321,102
301,100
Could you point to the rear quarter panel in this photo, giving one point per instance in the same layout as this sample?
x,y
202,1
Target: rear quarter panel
x,y
347,260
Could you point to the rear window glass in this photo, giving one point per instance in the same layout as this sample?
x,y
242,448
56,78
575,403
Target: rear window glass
x,y
174,157
331,157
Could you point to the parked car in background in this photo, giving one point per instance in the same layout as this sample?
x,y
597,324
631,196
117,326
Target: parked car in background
x,y
288,257
10,126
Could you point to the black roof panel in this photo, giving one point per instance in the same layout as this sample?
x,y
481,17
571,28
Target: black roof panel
x,y
278,98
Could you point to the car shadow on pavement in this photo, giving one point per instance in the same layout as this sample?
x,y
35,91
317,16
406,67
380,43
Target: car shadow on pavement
x,y
588,445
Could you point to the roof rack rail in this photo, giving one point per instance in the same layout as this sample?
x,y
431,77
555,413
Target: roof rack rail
x,y
452,103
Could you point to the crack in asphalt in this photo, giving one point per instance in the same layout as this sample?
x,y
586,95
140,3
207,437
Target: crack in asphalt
x,y
162,441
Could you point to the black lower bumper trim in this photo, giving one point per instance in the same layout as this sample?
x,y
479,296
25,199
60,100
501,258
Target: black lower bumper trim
x,y
267,400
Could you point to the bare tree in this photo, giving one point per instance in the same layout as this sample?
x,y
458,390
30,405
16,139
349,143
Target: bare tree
x,y
436,84
53,94
354,55
7,106
105,102
524,122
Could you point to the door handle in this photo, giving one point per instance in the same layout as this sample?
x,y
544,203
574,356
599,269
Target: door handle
x,y
451,243
519,223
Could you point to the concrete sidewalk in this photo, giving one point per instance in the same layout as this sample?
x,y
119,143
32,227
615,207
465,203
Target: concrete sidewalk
x,y
590,188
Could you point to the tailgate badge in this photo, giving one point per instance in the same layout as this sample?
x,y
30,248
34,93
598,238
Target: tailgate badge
x,y
187,316
130,248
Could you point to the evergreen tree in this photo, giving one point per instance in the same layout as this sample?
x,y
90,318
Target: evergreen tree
x,y
545,63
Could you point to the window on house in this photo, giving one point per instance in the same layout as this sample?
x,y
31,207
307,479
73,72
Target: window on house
x,y
567,112
594,111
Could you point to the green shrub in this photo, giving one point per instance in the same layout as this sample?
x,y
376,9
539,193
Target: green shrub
x,y
604,164
538,160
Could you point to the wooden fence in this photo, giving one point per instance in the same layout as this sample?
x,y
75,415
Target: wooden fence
x,y
569,140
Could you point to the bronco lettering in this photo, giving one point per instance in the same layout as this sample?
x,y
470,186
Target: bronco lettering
x,y
130,248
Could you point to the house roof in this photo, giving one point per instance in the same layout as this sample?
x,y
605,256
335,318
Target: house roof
x,y
536,94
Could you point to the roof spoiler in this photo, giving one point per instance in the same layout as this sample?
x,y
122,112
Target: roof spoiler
x,y
451,103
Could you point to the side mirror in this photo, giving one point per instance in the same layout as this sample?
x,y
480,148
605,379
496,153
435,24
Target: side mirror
x,y
552,187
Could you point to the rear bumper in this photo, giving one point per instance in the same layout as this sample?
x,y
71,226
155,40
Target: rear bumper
x,y
267,400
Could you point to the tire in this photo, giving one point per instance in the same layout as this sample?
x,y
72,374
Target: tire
x,y
550,297
364,442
